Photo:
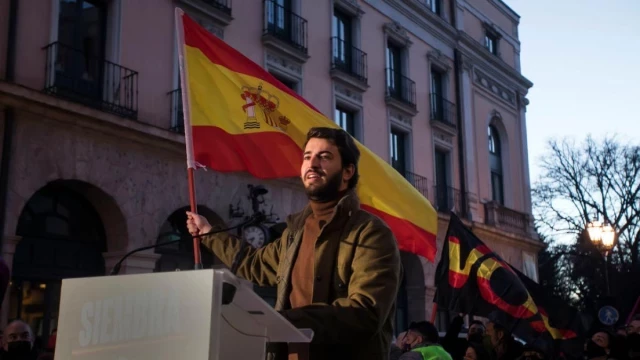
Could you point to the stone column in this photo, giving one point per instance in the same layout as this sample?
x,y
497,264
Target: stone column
x,y
139,263
469,139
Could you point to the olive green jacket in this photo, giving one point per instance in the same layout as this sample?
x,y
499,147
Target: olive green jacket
x,y
357,274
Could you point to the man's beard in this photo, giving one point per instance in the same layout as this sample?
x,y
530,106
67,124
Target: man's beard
x,y
327,192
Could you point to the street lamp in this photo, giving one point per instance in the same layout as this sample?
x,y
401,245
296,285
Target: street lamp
x,y
603,236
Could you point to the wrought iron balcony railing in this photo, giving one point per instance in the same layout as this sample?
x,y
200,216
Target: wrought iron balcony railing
x,y
75,75
177,117
442,109
447,198
282,23
348,59
419,182
222,5
400,87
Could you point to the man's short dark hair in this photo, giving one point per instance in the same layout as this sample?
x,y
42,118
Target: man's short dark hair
x,y
427,330
347,148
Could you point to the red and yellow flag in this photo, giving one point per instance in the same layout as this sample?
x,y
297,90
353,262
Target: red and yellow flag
x,y
243,119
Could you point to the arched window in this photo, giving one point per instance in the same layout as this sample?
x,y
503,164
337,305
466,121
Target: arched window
x,y
62,236
495,164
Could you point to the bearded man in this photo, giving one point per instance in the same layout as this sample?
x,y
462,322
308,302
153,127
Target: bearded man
x,y
336,267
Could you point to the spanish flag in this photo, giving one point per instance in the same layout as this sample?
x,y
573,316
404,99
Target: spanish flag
x,y
238,117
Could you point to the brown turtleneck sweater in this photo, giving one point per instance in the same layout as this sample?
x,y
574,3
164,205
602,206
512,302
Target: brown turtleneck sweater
x,y
302,273
303,269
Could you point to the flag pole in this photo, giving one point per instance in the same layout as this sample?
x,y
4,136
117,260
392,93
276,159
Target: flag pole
x,y
188,134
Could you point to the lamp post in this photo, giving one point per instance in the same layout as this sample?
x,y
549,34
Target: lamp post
x,y
603,236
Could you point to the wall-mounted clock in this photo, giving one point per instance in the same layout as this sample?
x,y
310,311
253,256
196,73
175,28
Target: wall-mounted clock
x,y
256,235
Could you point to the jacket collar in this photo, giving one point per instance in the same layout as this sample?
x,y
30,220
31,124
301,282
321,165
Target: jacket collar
x,y
348,205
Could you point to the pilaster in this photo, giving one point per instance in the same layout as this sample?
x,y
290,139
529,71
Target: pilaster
x,y
469,140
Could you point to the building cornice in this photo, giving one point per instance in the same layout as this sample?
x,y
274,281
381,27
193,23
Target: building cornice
x,y
506,10
491,64
431,17
435,25
506,36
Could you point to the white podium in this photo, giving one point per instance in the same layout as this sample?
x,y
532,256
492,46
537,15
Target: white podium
x,y
196,314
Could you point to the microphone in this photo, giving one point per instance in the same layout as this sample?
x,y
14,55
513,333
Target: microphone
x,y
256,218
118,265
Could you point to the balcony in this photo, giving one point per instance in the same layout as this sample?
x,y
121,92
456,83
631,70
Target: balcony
x,y
401,92
442,113
348,64
218,10
176,114
419,182
223,6
507,219
73,75
285,31
447,198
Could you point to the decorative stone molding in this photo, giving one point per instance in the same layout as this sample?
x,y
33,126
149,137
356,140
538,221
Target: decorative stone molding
x,y
495,114
215,30
214,13
400,120
442,139
492,30
284,66
347,79
493,87
522,100
437,58
397,33
346,94
350,7
467,63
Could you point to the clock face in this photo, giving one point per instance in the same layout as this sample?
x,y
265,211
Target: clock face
x,y
255,236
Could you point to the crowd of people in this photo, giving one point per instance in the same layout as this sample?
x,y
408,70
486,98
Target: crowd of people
x,y
492,341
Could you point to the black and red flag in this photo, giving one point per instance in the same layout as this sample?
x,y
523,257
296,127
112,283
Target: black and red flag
x,y
472,279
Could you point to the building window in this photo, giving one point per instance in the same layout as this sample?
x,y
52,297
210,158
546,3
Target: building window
x,y
278,16
491,43
291,84
495,163
342,30
443,181
434,6
346,120
437,95
394,66
398,141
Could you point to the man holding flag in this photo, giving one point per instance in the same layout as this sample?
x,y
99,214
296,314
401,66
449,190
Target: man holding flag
x,y
337,267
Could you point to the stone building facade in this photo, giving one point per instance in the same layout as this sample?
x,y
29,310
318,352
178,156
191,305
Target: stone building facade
x,y
93,160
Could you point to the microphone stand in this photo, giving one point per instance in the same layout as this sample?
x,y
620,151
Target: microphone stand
x,y
256,218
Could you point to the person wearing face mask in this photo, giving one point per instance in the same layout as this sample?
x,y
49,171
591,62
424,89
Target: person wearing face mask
x,y
599,346
422,343
18,342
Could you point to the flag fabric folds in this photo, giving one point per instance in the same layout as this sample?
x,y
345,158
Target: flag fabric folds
x,y
472,279
238,117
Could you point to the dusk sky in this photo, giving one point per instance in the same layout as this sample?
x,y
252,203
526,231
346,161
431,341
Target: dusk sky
x,y
583,58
